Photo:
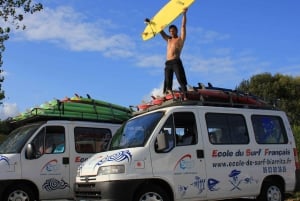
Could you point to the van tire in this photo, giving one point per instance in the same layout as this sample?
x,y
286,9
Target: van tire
x,y
151,193
271,192
22,192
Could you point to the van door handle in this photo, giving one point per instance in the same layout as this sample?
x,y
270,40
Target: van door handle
x,y
65,160
200,153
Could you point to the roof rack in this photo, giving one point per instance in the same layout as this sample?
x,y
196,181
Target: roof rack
x,y
78,108
209,96
181,102
35,117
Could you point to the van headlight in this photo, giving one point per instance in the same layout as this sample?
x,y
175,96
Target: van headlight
x,y
111,169
78,171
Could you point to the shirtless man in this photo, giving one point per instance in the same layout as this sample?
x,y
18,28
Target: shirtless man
x,y
173,64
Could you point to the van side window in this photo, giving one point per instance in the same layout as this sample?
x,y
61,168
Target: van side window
x,y
226,128
185,128
50,140
168,132
269,129
91,140
55,140
180,129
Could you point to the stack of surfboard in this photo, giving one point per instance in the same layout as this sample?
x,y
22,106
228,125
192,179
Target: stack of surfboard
x,y
208,94
78,108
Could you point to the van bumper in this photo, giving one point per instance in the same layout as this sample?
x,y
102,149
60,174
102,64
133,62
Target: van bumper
x,y
297,186
106,191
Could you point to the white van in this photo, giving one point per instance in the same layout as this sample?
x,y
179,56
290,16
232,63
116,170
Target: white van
x,y
192,151
38,161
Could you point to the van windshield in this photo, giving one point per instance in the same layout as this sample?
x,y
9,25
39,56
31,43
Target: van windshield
x,y
135,132
17,139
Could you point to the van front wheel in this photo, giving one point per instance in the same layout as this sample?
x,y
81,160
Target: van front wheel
x,y
19,192
271,192
151,193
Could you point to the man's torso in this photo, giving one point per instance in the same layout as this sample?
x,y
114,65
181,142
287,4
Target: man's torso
x,y
174,48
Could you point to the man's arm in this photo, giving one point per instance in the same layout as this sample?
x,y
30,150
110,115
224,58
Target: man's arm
x,y
183,25
164,35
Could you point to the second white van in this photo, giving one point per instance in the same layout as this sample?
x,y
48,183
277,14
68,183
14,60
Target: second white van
x,y
38,161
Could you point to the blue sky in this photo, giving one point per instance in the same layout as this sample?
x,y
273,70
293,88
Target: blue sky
x,y
95,47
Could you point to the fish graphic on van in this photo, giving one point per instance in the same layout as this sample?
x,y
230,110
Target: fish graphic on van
x,y
211,183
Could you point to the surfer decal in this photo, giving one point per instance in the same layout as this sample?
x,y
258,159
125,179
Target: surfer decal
x,y
118,157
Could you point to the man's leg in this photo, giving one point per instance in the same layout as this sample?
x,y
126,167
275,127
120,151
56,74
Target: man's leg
x,y
168,78
181,77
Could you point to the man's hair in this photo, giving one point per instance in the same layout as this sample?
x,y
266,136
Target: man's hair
x,y
173,27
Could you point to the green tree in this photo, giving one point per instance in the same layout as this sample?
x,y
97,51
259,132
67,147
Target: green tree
x,y
12,13
5,127
280,90
296,132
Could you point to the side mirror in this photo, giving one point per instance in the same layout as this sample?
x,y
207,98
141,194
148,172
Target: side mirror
x,y
162,142
30,152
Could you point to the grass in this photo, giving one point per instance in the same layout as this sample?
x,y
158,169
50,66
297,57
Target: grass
x,y
294,197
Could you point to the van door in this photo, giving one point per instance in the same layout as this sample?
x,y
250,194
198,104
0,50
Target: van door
x,y
48,167
227,144
182,163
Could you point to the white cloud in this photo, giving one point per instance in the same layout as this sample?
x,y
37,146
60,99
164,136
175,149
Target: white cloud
x,y
206,36
8,110
222,51
65,27
212,65
151,61
158,92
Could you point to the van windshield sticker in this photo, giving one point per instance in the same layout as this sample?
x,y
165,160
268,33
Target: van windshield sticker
x,y
118,157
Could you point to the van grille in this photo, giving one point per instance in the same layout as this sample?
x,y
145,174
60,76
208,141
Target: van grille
x,y
89,195
87,191
87,179
86,185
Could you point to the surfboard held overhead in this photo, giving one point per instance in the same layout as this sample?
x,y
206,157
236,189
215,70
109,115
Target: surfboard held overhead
x,y
165,16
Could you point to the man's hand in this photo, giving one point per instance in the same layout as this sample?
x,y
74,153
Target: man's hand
x,y
184,10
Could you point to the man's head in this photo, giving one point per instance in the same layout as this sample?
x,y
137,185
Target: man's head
x,y
173,30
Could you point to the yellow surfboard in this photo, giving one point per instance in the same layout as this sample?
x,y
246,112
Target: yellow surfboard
x,y
165,16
